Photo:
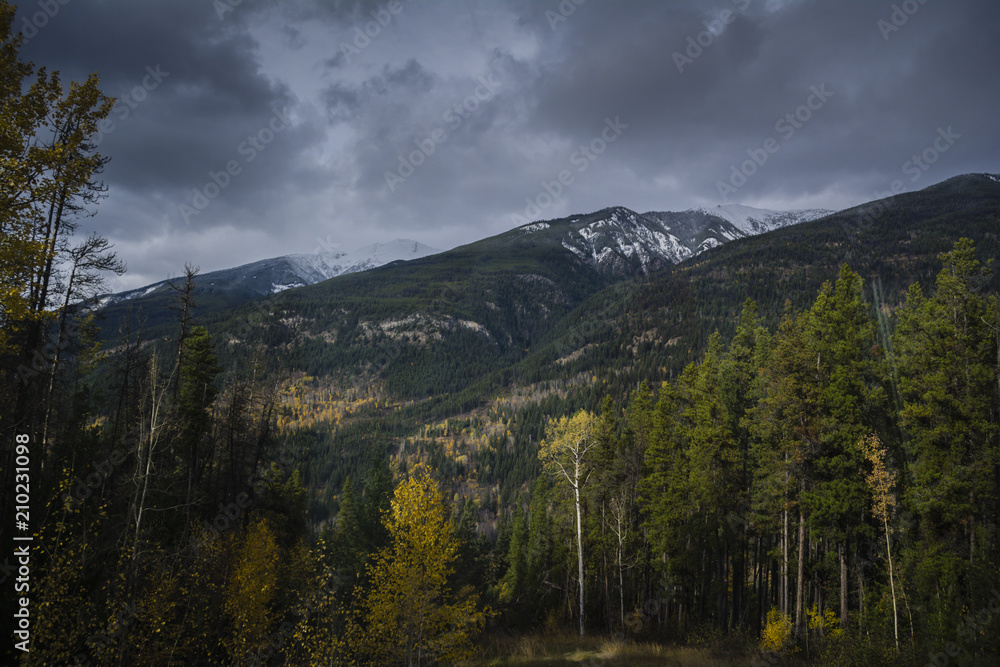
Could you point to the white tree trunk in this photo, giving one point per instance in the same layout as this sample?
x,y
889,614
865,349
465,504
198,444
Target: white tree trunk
x,y
579,540
892,585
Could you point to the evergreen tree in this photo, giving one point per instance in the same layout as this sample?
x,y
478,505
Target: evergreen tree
x,y
513,586
849,376
197,394
947,375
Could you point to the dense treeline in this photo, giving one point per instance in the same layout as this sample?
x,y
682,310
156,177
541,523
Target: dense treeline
x,y
820,483
765,491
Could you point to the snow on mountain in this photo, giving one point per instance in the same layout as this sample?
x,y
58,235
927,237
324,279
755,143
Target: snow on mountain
x,y
618,240
751,221
268,276
316,267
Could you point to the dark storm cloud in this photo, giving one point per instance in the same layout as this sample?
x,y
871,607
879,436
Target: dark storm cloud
x,y
495,99
209,94
888,96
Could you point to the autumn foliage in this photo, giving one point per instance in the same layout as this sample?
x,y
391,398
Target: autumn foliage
x,y
411,616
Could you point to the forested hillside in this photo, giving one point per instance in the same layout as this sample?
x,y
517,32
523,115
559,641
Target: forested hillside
x,y
783,450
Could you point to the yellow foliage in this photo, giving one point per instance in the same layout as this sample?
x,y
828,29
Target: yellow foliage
x,y
61,613
880,480
251,590
154,633
410,610
828,622
777,631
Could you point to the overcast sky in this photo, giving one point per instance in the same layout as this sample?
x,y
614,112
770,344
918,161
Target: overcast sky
x,y
347,123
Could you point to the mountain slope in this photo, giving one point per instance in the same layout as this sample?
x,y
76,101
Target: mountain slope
x,y
473,310
657,326
752,221
517,303
226,287
320,266
483,339
620,241
496,336
614,244
276,274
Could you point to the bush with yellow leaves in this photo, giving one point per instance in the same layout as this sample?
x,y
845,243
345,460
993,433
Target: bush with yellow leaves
x,y
777,632
828,623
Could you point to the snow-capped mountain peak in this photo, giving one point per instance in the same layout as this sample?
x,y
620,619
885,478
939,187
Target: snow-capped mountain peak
x,y
751,221
316,267
619,240
277,274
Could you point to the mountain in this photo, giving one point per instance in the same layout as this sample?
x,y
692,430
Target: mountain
x,y
620,241
609,245
226,287
487,340
494,336
269,276
701,229
657,325
751,221
319,266
636,292
584,291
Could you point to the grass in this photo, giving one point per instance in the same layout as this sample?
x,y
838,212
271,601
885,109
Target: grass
x,y
568,649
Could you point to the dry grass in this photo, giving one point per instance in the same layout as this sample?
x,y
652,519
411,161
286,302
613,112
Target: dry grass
x,y
551,650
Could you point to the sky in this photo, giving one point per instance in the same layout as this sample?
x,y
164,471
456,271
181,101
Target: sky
x,y
251,129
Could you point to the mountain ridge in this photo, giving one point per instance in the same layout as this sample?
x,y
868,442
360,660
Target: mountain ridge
x,y
617,242
300,268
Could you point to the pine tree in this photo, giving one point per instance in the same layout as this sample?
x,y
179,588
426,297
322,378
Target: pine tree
x,y
514,582
849,375
197,394
946,349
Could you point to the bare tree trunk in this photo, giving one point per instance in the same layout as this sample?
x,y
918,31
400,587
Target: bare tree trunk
x,y
579,540
800,579
621,587
843,585
784,564
888,553
55,366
